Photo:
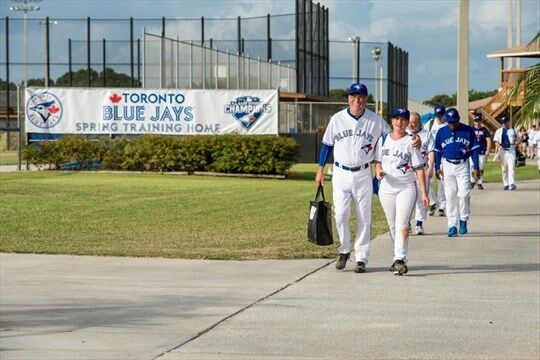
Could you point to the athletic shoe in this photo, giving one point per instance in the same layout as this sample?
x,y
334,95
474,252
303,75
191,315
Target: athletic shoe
x,y
419,230
480,187
431,210
462,227
392,267
360,267
513,187
400,267
472,185
452,231
441,212
342,261
505,187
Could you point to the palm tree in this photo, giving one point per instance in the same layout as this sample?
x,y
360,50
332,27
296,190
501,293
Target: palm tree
x,y
529,81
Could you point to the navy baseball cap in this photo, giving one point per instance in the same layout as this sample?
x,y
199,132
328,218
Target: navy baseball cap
x,y
401,112
357,89
477,117
439,110
451,115
503,119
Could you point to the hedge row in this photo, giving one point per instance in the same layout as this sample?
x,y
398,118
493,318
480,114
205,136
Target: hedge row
x,y
256,154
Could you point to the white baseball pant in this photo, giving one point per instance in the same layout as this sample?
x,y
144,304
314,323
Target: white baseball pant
x,y
508,163
398,205
421,211
457,189
438,199
481,164
346,186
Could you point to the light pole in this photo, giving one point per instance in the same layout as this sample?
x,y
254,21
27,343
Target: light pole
x,y
46,24
25,7
376,54
355,59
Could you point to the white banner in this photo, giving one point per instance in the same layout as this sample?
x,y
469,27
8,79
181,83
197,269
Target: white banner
x,y
143,111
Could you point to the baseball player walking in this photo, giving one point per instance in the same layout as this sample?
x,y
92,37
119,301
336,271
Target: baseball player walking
x,y
415,127
505,145
483,141
436,200
396,164
454,144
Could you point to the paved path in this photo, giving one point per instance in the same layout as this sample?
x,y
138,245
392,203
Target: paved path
x,y
472,297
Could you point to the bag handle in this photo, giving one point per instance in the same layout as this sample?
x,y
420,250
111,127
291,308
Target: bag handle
x,y
320,191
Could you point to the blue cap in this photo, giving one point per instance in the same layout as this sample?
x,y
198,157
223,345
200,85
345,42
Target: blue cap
x,y
503,119
451,115
439,110
477,117
400,112
358,89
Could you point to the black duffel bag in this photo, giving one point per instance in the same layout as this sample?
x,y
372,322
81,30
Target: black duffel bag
x,y
320,220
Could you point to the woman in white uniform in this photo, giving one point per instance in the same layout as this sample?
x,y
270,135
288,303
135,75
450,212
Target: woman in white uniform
x,y
396,163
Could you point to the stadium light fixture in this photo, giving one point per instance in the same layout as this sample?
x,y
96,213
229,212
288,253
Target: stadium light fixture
x,y
25,6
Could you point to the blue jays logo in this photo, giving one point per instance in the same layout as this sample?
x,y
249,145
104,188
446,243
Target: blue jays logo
x,y
405,167
247,110
44,110
367,148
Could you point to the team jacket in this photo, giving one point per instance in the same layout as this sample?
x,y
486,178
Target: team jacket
x,y
353,139
398,159
455,145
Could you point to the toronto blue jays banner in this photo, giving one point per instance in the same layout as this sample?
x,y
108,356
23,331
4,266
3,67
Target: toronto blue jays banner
x,y
144,111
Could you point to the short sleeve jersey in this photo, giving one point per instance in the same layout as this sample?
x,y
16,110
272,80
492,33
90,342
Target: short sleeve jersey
x,y
433,126
398,159
511,133
427,143
354,140
480,139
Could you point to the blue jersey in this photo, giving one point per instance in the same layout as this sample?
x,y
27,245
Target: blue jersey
x,y
480,139
456,145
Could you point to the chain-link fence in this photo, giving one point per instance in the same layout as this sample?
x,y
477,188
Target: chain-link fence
x,y
170,63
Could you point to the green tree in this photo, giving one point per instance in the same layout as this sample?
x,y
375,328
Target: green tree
x,y
529,81
80,79
39,82
443,99
3,85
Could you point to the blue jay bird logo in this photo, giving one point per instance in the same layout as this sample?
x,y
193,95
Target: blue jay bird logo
x,y
44,110
247,110
405,167
367,148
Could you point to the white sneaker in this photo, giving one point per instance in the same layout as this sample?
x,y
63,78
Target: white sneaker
x,y
419,230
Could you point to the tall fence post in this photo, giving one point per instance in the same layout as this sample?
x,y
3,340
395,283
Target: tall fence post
x,y
139,62
177,62
190,64
7,81
70,76
88,66
228,69
47,52
144,57
202,30
268,39
19,127
104,64
131,56
239,34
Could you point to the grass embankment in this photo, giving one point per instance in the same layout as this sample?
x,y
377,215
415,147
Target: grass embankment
x,y
154,215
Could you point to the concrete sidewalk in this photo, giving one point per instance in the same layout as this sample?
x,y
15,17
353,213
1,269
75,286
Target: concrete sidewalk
x,y
471,297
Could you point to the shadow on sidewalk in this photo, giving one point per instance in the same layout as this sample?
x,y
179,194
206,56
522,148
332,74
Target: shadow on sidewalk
x,y
478,269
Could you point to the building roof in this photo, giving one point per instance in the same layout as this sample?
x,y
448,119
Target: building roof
x,y
520,51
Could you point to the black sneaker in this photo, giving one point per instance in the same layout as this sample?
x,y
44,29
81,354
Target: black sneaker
x,y
441,212
473,184
360,267
400,267
342,261
480,187
432,210
392,267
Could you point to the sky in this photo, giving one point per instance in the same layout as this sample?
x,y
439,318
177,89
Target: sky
x,y
426,29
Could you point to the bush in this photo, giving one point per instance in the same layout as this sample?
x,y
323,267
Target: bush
x,y
219,153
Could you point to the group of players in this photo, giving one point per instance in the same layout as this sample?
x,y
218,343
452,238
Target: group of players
x,y
407,158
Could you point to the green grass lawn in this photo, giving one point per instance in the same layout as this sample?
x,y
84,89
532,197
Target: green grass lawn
x,y
160,215
8,157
